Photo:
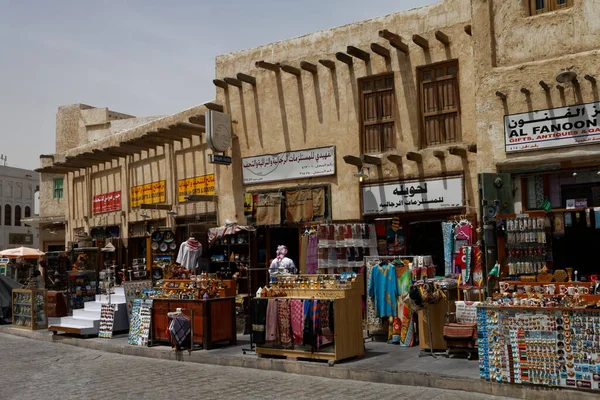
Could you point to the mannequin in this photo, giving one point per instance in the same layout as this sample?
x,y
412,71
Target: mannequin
x,y
189,253
282,265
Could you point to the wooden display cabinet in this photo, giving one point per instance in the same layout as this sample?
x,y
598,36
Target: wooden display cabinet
x,y
29,309
184,286
348,339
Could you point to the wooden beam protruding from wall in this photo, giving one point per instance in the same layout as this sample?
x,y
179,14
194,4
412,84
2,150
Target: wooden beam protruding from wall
x,y
442,37
395,40
234,82
345,58
501,95
198,119
468,30
358,53
291,70
310,67
267,65
395,158
412,156
472,148
353,160
327,63
421,42
380,50
439,154
220,83
457,151
214,106
544,86
367,159
246,78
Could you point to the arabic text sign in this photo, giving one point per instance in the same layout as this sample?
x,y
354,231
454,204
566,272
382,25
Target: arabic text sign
x,y
289,165
557,127
204,184
433,194
106,202
150,193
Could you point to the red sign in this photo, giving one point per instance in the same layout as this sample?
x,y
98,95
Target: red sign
x,y
107,202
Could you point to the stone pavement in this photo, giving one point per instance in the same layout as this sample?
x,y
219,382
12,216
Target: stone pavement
x,y
382,363
42,370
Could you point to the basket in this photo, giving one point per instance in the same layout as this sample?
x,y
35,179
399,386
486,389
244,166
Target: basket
x,y
560,275
529,278
545,277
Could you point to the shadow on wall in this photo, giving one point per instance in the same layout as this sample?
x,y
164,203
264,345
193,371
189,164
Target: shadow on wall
x,y
410,95
258,118
318,102
283,112
243,111
302,105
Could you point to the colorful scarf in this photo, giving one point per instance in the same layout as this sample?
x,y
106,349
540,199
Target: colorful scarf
x,y
283,312
405,313
308,335
272,335
297,314
448,240
316,322
324,324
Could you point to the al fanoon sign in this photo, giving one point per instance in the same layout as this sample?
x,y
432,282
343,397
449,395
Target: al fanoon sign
x,y
204,184
149,193
413,196
557,127
289,165
106,202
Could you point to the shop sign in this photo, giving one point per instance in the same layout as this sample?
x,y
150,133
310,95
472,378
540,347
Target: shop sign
x,y
413,196
3,265
576,203
289,165
219,159
20,238
106,202
204,184
218,130
150,193
556,127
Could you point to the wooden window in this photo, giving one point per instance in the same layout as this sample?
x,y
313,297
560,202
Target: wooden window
x,y
543,6
378,102
440,104
58,188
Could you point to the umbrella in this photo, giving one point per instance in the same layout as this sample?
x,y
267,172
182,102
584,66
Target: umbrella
x,y
21,252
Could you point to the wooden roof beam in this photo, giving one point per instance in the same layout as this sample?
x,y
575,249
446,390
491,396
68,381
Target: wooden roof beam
x,y
394,40
267,65
220,83
327,63
358,53
457,151
190,126
442,37
395,158
198,119
345,58
233,82
420,41
214,106
246,78
439,154
310,67
290,70
380,50
412,156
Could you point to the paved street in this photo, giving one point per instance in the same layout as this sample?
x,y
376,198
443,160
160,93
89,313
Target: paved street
x,y
32,369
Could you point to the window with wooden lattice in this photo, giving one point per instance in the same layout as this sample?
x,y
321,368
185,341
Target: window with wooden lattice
x,y
544,6
378,103
440,104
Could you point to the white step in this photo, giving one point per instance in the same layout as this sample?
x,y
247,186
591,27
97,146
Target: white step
x,y
82,313
114,298
71,322
92,305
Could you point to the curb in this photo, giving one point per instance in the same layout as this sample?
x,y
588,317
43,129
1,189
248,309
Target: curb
x,y
409,378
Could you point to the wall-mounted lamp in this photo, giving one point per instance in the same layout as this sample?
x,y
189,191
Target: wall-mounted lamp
x,y
171,212
144,215
361,175
566,77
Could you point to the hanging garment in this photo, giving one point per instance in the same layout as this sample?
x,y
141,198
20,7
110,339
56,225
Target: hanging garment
x,y
299,206
259,320
383,286
285,325
373,323
272,325
180,329
308,335
303,254
316,324
405,313
312,259
189,254
296,316
324,324
268,211
447,230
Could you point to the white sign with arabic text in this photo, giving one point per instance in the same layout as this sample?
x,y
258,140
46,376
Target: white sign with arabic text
x,y
431,194
289,165
557,127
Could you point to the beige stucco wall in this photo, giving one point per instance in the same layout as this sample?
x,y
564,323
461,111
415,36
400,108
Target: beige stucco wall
x,y
49,206
283,113
531,49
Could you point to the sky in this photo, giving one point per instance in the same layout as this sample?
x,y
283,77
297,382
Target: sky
x,y
145,57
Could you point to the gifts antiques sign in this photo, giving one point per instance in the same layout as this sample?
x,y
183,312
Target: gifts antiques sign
x,y
558,127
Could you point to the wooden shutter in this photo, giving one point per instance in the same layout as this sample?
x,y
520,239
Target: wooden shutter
x,y
378,115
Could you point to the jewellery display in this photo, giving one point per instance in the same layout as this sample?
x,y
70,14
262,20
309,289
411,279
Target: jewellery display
x,y
29,308
526,245
553,346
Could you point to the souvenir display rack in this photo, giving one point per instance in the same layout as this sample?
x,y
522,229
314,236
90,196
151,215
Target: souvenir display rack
x,y
29,309
231,257
194,289
552,346
82,287
347,297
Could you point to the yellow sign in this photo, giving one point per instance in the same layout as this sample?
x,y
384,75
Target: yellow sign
x,y
150,193
204,184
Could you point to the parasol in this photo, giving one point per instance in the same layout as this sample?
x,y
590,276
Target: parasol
x,y
21,252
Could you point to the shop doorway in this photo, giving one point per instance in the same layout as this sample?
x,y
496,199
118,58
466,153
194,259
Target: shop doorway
x,y
287,236
426,238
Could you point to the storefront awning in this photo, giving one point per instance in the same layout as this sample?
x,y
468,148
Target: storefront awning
x,y
219,232
541,161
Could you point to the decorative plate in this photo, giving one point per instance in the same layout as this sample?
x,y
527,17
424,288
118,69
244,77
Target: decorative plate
x,y
164,247
154,246
168,236
157,236
172,245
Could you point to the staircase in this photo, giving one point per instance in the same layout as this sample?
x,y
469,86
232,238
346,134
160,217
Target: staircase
x,y
86,321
